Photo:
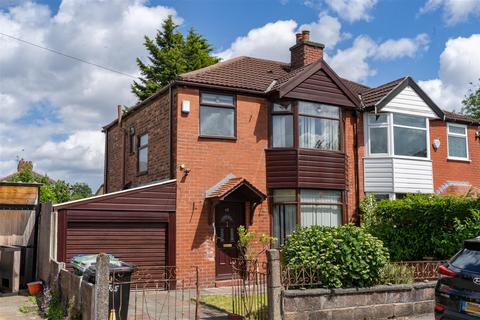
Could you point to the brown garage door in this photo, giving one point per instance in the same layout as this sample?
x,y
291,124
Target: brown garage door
x,y
143,244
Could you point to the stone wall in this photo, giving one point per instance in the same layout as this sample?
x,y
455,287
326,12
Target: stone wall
x,y
380,302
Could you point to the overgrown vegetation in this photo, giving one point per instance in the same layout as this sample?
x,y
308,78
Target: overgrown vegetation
x,y
421,226
50,191
345,256
397,274
251,245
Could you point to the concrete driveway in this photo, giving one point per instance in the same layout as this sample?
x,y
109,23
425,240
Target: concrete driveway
x,y
10,305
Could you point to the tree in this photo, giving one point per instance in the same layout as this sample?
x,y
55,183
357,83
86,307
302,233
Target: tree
x,y
50,191
471,102
170,54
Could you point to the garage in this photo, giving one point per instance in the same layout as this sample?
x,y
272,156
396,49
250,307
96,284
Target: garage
x,y
135,225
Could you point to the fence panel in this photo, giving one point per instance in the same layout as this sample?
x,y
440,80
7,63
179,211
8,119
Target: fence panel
x,y
155,293
249,289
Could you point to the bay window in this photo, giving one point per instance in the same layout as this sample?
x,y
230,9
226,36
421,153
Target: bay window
x,y
305,207
397,134
457,141
317,126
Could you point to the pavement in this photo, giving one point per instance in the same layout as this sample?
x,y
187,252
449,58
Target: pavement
x,y
10,308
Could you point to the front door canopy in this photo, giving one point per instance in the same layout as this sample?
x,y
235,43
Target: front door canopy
x,y
234,189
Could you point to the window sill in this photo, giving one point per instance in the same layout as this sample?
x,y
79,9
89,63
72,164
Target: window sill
x,y
217,138
397,157
458,160
142,173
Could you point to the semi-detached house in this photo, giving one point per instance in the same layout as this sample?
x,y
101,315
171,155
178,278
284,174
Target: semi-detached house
x,y
264,144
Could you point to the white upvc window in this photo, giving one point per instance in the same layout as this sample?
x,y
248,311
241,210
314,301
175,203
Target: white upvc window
x,y
457,141
399,135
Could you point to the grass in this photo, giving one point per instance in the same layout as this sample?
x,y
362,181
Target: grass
x,y
224,302
28,307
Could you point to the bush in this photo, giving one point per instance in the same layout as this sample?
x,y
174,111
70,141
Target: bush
x,y
346,256
420,226
397,274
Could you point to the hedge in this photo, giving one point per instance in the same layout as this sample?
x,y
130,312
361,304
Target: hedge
x,y
345,256
421,226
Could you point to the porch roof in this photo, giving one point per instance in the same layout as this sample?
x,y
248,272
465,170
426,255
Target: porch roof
x,y
232,188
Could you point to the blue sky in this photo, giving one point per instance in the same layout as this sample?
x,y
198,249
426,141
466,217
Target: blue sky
x,y
53,107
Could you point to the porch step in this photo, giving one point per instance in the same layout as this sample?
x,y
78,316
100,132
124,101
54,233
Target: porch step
x,y
223,283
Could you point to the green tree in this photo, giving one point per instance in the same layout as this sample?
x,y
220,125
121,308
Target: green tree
x,y
471,103
50,191
170,54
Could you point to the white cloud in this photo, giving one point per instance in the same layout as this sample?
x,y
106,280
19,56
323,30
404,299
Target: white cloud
x,y
77,98
454,11
459,66
352,62
352,10
273,40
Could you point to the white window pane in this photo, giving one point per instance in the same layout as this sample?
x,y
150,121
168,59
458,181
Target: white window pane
x,y
143,160
217,121
320,196
143,140
284,195
377,119
456,129
411,121
217,99
457,147
410,142
282,131
283,222
378,140
316,133
282,107
321,215
319,110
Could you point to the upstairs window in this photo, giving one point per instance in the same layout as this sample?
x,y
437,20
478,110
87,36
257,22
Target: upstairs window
x,y
282,126
410,135
143,153
217,115
378,131
318,126
457,141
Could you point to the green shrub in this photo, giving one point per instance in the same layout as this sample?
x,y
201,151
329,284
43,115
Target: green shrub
x,y
420,226
397,274
345,256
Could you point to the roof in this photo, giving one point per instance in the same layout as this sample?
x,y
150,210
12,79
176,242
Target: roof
x,y
355,87
372,96
457,117
35,174
229,185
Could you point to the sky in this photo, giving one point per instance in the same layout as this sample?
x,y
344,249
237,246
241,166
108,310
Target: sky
x,y
52,108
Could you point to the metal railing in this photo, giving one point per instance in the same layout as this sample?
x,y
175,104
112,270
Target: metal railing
x,y
425,270
155,293
249,289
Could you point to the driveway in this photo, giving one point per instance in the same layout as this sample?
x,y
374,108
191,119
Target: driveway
x,y
10,306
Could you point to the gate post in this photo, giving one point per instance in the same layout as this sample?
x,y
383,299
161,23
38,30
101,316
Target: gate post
x,y
101,287
274,285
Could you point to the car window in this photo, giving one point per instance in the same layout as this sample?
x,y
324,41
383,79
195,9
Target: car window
x,y
468,260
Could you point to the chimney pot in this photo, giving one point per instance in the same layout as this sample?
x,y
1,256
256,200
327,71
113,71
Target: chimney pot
x,y
299,37
306,35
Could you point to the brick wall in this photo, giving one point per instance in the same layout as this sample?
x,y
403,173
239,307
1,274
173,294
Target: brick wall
x,y
351,198
152,119
445,169
210,160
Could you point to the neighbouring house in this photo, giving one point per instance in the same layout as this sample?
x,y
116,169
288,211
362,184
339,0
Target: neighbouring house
x,y
264,144
22,164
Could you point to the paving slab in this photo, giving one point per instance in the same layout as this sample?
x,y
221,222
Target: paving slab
x,y
9,308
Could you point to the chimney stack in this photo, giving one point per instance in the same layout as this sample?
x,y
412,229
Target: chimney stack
x,y
305,51
22,164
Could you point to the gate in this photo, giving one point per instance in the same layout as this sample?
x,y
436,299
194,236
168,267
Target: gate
x,y
155,293
249,289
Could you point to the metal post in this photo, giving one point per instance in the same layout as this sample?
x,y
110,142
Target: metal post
x,y
197,300
274,285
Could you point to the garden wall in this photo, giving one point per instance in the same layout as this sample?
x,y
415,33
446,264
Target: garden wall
x,y
379,302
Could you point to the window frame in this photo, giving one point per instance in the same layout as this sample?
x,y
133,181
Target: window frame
x,y
140,147
217,105
457,135
379,125
391,138
295,108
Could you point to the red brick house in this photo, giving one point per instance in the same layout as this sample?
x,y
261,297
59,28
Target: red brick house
x,y
270,145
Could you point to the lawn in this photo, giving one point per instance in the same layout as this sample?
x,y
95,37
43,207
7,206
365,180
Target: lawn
x,y
224,302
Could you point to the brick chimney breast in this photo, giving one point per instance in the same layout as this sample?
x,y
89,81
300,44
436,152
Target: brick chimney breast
x,y
305,51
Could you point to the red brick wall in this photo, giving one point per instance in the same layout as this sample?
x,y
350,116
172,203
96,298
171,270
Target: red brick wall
x,y
453,170
152,119
210,160
303,54
351,198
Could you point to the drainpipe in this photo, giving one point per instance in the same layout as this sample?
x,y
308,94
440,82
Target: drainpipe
x,y
357,166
